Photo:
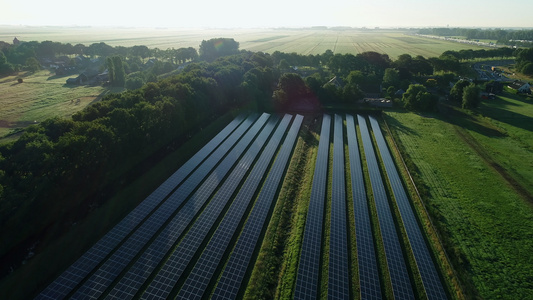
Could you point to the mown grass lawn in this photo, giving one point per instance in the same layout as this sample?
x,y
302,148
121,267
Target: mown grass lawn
x,y
486,226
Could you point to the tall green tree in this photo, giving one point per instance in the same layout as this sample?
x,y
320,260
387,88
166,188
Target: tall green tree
x,y
456,93
391,77
418,98
218,47
471,98
32,64
5,67
119,74
110,69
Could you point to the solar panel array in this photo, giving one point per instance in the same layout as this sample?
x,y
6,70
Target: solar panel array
x,y
69,279
401,284
233,274
163,283
370,287
338,273
309,265
98,282
188,231
428,272
202,273
139,272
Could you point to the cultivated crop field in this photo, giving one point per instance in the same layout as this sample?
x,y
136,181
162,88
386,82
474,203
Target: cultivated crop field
x,y
304,41
486,225
39,97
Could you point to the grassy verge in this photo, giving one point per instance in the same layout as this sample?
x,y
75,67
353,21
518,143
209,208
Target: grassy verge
x,y
486,227
63,251
324,275
350,218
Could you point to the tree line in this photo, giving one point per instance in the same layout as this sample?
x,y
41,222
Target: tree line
x,y
502,36
13,57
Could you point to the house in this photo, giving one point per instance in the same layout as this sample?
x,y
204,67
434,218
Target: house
x,y
521,87
72,81
88,77
494,87
337,82
399,93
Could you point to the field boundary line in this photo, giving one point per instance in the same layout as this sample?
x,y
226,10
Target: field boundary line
x,y
448,261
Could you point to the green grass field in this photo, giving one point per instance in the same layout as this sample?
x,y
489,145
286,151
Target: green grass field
x,y
39,97
391,42
486,225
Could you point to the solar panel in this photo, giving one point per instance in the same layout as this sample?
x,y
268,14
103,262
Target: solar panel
x,y
82,267
207,263
428,272
401,284
366,256
310,255
98,282
233,274
338,273
181,256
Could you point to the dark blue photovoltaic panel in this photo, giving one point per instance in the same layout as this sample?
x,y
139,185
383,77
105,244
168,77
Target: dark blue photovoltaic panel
x,y
176,263
366,256
428,271
401,284
207,264
310,255
86,263
231,279
98,282
338,273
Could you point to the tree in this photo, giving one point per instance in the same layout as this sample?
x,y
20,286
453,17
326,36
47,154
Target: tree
x,y
119,75
134,81
291,88
352,93
5,67
471,97
527,69
456,93
141,51
215,48
391,77
32,64
417,98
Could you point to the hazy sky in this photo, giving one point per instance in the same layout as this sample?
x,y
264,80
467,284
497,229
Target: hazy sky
x,y
270,13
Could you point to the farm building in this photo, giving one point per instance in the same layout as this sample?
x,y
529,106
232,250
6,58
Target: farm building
x,y
521,87
89,77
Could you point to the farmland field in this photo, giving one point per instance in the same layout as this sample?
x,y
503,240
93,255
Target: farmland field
x,y
39,97
303,41
485,224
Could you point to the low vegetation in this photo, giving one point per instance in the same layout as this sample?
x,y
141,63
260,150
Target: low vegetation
x,y
484,223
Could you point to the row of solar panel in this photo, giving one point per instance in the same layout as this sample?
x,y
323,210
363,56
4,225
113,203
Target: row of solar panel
x,y
126,264
338,274
310,254
428,272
